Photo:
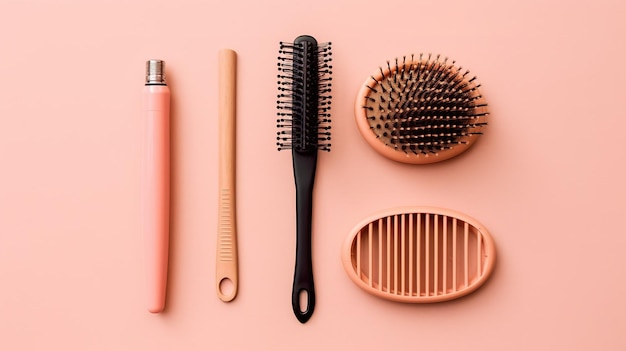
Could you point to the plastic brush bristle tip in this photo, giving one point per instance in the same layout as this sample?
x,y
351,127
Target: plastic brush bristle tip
x,y
304,95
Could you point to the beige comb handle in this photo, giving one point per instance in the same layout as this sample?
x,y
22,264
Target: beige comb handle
x,y
226,266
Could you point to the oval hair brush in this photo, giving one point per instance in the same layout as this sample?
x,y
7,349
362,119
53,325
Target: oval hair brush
x,y
419,254
420,109
304,127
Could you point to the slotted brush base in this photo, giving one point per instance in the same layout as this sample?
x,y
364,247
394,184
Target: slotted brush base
x,y
419,255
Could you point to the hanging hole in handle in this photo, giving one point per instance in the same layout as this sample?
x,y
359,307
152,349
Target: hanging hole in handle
x,y
303,298
226,287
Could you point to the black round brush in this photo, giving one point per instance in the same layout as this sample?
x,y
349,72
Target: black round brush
x,y
304,127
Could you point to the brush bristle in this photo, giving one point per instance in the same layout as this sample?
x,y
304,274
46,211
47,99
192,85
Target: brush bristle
x,y
424,105
304,84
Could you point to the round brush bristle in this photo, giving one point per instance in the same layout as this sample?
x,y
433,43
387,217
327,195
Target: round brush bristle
x,y
304,98
421,109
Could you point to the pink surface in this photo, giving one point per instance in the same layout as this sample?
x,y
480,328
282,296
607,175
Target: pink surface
x,y
547,179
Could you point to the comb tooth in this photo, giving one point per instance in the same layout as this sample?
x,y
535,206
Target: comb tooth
x,y
454,256
402,254
436,255
444,259
388,251
466,254
380,254
395,254
411,258
418,270
427,270
370,233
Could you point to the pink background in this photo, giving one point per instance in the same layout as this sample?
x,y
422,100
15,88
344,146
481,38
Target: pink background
x,y
547,179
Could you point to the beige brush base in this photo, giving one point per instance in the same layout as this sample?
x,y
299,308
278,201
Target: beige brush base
x,y
419,254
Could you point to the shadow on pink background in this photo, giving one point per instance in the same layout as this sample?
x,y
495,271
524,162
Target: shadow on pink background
x,y
546,179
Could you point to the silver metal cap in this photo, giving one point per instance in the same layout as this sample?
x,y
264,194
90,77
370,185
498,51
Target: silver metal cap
x,y
155,72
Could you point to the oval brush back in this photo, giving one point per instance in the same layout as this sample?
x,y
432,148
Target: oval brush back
x,y
419,254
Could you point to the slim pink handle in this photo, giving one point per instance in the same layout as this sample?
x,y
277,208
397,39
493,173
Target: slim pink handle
x,y
156,193
227,281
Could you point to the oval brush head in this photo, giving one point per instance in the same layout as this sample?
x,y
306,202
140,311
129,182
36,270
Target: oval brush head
x,y
420,109
419,254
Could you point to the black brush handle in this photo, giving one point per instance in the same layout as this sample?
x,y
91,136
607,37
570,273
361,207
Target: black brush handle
x,y
304,164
